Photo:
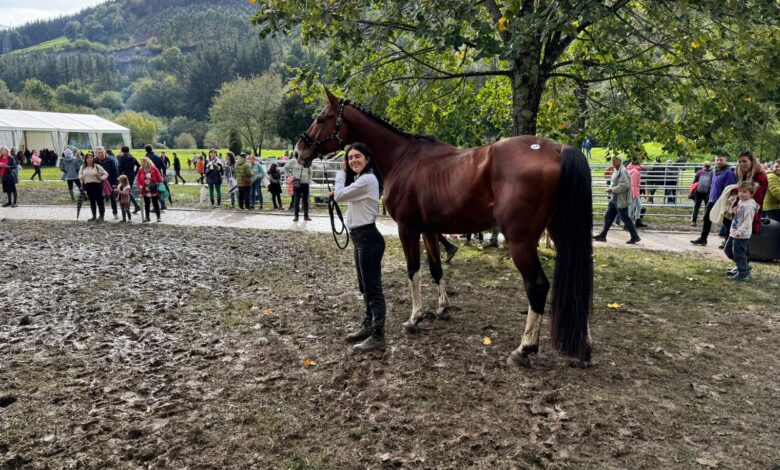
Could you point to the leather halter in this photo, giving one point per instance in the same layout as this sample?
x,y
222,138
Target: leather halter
x,y
335,135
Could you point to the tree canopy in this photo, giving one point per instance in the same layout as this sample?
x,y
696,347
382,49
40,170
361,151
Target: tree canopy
x,y
686,72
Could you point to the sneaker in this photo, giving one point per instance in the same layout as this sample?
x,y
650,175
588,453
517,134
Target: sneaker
x,y
370,344
116,216
734,271
295,219
14,205
7,204
633,241
699,241
159,220
146,220
357,336
308,219
740,278
137,210
600,238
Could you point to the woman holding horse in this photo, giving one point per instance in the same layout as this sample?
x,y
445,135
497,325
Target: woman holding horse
x,y
358,186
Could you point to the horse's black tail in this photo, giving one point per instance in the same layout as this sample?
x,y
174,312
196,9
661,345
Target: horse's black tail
x,y
571,228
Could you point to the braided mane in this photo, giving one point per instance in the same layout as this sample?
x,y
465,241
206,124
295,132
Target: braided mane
x,y
387,124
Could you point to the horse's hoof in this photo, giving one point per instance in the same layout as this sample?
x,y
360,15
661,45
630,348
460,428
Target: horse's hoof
x,y
410,327
443,315
581,364
518,360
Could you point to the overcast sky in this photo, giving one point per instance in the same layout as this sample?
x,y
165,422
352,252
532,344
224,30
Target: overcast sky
x,y
18,12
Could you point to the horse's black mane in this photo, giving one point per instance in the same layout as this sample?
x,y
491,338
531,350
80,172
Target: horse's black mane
x,y
385,123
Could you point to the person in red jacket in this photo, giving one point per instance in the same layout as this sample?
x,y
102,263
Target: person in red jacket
x,y
148,177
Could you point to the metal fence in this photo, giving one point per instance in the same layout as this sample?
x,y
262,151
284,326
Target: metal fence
x,y
664,187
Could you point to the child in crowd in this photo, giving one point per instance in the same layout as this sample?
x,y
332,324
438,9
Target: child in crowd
x,y
123,189
738,245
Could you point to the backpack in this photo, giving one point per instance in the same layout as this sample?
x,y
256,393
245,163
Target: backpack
x,y
705,182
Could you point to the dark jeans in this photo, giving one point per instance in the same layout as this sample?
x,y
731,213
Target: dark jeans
x,y
698,198
611,215
243,197
738,249
95,195
71,183
37,172
276,198
774,214
113,198
178,177
369,248
154,201
301,194
706,225
256,194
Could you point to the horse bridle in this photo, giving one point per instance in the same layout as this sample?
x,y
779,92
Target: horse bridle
x,y
335,135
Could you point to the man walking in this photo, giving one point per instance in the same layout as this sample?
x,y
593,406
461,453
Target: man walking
x,y
724,176
620,192
177,170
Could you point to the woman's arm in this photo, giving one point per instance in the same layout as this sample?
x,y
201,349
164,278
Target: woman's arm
x,y
360,189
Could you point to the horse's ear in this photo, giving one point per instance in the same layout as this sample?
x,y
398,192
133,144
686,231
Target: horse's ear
x,y
331,98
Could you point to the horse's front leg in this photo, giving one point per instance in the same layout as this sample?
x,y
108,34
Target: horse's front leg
x,y
431,241
410,241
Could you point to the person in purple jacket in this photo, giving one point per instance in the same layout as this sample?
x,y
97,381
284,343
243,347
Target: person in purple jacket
x,y
724,176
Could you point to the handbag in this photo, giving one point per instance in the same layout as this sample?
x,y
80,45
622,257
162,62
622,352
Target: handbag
x,y
265,181
297,181
107,190
247,180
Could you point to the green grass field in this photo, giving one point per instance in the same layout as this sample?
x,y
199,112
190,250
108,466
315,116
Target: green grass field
x,y
55,43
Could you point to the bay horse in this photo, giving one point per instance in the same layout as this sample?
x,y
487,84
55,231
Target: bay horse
x,y
520,184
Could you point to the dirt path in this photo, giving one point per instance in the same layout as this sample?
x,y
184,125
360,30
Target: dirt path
x,y
678,242
164,346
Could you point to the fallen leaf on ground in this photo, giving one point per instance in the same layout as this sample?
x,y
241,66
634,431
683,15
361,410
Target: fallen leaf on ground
x,y
308,363
614,306
486,340
268,311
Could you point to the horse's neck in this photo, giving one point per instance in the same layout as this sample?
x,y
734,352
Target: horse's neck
x,y
389,148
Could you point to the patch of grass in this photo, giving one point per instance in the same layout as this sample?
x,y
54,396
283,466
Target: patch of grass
x,y
236,312
56,43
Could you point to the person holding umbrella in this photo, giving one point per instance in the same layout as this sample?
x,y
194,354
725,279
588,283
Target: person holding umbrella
x,y
91,176
149,178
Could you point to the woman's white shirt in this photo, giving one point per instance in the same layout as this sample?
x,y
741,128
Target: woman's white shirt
x,y
362,198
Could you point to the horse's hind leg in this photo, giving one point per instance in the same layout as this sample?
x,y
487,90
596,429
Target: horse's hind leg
x,y
537,287
431,241
410,241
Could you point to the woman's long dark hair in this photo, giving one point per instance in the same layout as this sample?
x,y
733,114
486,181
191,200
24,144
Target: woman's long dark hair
x,y
370,166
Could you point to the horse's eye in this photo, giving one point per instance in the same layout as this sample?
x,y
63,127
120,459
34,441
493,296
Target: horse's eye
x,y
320,120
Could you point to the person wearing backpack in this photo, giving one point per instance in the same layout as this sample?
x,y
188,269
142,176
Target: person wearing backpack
x,y
724,176
703,181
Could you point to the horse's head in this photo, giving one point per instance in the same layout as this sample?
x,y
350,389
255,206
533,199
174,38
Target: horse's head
x,y
325,133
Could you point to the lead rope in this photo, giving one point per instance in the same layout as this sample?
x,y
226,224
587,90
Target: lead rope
x,y
333,207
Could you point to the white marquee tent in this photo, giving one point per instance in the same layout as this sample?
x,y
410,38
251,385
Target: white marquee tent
x,y
37,130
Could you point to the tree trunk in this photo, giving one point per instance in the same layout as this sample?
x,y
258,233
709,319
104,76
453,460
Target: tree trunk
x,y
527,88
581,93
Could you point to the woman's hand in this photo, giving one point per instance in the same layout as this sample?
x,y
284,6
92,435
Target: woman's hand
x,y
344,166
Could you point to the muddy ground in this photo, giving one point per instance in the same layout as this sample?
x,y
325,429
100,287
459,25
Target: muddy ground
x,y
172,347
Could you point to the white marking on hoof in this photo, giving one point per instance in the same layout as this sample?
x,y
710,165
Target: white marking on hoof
x,y
444,301
414,286
530,342
410,327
